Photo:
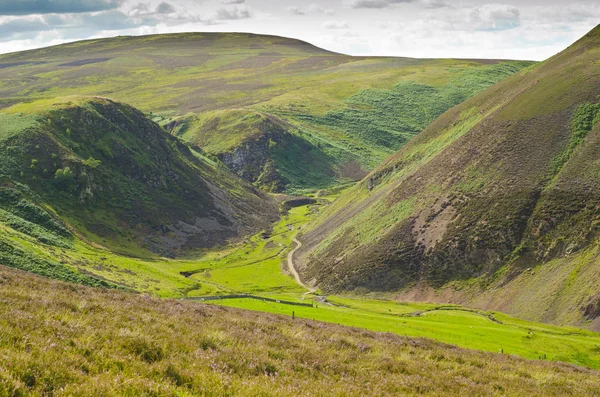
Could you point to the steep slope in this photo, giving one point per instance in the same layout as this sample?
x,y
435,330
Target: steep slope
x,y
99,342
503,183
339,116
93,169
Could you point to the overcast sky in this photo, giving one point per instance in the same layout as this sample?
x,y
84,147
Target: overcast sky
x,y
517,29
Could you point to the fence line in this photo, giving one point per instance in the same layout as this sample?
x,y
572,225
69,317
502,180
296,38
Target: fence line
x,y
245,296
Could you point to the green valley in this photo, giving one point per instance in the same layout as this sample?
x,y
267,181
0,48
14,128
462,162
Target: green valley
x,y
281,113
494,205
237,214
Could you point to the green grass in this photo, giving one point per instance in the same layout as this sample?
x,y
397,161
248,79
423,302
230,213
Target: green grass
x,y
500,185
98,342
454,325
346,113
256,267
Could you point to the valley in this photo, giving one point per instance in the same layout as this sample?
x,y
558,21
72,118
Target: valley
x,y
281,113
238,214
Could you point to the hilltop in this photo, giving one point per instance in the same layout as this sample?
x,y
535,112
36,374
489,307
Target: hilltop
x,y
101,342
494,205
94,170
296,117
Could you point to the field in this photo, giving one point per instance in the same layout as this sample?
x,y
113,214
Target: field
x,y
98,342
258,267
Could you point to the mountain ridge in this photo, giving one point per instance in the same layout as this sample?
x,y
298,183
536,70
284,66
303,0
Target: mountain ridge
x,y
461,203
347,112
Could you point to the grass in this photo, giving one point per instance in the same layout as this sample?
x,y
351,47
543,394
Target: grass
x,y
100,342
500,185
450,324
257,266
345,114
116,178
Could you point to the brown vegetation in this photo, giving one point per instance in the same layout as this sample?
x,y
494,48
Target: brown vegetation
x,y
61,339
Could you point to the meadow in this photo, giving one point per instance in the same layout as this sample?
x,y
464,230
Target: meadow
x,y
99,342
257,266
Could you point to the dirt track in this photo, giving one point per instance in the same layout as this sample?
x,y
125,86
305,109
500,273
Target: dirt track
x,y
292,268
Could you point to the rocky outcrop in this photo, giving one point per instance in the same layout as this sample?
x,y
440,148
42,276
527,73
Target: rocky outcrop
x,y
253,161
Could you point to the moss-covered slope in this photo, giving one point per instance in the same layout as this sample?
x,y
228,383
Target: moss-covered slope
x,y
104,172
507,181
340,116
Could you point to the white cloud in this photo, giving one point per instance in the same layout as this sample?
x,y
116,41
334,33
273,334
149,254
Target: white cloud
x,y
420,28
310,9
234,13
336,25
495,17
377,4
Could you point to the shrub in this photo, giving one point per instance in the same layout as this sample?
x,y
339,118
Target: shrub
x,y
64,178
92,162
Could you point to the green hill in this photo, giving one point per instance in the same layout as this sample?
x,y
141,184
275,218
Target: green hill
x,y
63,340
332,118
495,204
93,170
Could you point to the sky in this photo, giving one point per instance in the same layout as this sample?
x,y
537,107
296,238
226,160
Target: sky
x,y
507,29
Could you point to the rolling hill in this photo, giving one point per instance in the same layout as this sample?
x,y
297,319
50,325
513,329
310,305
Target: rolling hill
x,y
295,117
494,205
94,170
102,342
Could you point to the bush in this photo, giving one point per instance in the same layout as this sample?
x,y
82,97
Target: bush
x,y
92,162
64,178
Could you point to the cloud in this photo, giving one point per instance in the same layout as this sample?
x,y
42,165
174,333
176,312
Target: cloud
x,y
336,25
22,28
370,4
165,8
433,4
296,11
310,9
377,4
113,20
30,7
233,13
495,17
233,1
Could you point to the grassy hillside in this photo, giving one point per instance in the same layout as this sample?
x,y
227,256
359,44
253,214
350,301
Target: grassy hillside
x,y
98,342
96,172
494,194
332,117
257,266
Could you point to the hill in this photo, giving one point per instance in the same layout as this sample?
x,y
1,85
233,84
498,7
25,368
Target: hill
x,y
495,204
94,170
296,117
101,342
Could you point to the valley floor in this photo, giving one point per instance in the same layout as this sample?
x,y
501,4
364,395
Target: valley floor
x,y
258,267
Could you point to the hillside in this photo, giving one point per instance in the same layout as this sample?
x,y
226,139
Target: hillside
x,y
89,170
101,342
494,205
296,117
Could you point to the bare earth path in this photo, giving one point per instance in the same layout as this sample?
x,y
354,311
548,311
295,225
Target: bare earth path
x,y
292,268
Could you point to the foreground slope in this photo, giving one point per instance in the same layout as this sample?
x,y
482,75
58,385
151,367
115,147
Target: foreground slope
x,y
294,116
496,203
93,169
101,342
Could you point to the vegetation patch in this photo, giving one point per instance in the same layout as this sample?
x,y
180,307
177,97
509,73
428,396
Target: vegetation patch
x,y
161,349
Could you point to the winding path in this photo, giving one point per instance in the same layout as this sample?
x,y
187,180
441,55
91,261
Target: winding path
x,y
293,270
